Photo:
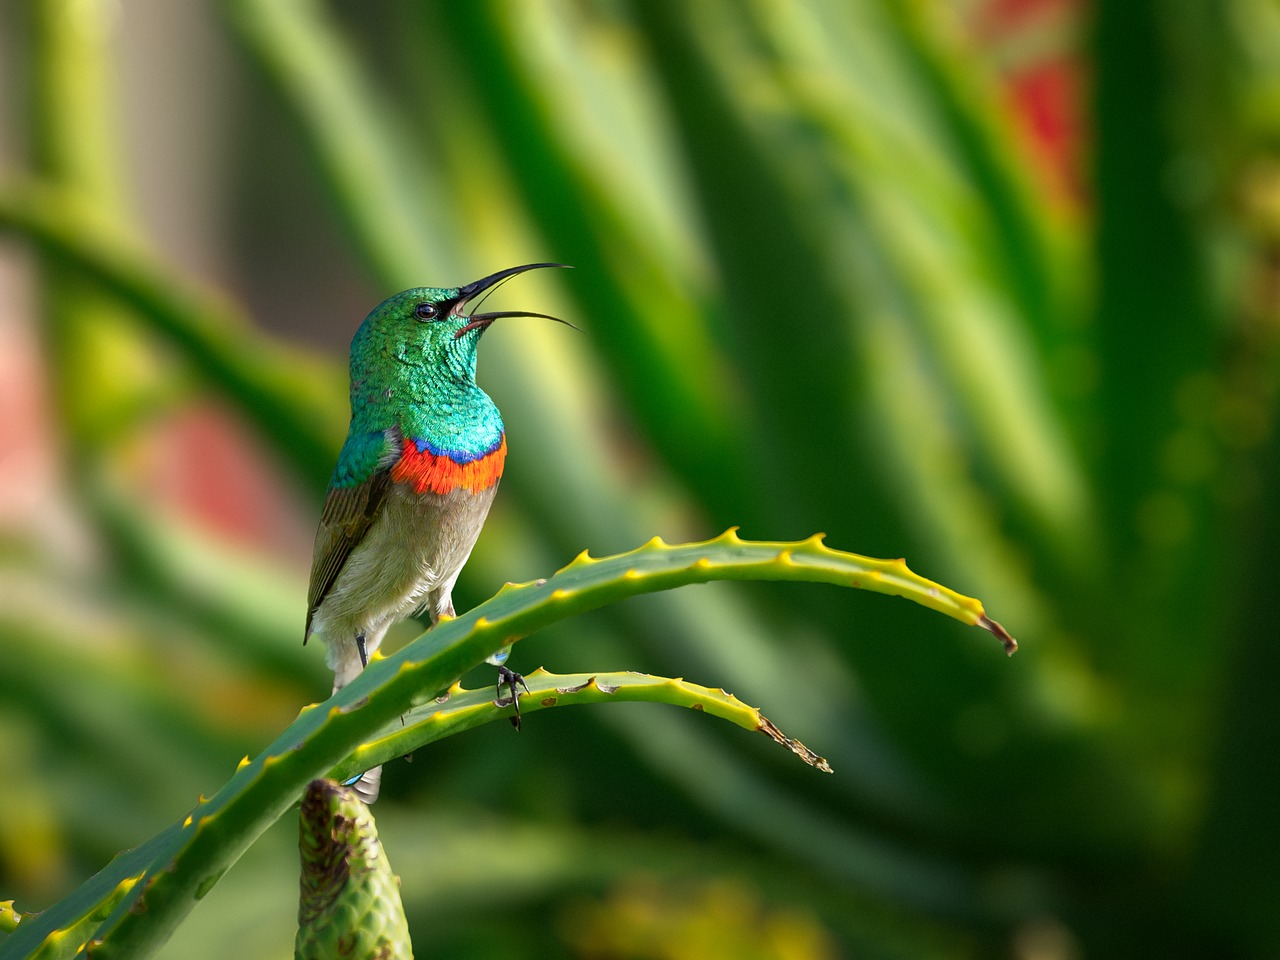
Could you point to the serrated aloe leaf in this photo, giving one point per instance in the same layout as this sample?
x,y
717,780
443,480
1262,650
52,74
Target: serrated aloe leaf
x,y
459,709
9,917
350,900
217,831
64,928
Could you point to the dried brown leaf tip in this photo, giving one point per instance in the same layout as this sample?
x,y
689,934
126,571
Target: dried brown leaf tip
x,y
1001,634
766,726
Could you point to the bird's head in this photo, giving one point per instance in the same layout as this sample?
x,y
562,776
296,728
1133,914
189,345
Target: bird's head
x,y
437,327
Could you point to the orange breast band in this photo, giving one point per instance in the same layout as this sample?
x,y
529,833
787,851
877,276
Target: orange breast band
x,y
439,473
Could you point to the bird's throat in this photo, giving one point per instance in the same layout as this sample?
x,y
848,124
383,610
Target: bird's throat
x,y
452,439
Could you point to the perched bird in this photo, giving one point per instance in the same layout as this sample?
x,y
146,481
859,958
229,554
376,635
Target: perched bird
x,y
415,478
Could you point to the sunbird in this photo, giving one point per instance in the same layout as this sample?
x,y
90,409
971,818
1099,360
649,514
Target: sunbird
x,y
414,481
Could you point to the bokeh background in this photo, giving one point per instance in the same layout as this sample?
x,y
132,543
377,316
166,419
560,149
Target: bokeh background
x,y
993,285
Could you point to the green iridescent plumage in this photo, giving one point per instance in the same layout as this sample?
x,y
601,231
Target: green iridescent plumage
x,y
350,900
415,376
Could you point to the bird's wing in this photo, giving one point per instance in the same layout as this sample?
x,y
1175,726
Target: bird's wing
x,y
349,511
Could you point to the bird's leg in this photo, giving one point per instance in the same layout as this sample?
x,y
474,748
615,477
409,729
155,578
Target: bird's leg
x,y
511,680
368,783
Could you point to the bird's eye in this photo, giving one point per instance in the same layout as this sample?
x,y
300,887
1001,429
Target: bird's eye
x,y
425,311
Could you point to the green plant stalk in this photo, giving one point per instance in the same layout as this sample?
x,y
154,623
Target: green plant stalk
x,y
350,902
189,859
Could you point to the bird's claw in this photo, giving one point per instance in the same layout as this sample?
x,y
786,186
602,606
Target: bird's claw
x,y
512,681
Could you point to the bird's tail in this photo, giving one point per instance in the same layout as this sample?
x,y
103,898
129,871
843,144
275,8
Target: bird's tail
x,y
367,785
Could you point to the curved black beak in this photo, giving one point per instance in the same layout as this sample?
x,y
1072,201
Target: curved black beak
x,y
477,287
479,321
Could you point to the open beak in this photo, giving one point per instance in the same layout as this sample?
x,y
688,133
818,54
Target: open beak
x,y
480,321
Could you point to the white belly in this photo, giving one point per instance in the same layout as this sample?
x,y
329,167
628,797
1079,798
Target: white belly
x,y
410,556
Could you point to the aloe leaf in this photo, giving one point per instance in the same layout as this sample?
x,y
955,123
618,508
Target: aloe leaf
x,y
9,917
458,709
64,929
195,854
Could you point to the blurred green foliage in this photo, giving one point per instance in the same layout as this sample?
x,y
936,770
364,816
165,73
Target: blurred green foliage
x,y
826,288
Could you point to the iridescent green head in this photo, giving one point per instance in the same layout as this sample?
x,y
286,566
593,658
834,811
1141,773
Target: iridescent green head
x,y
429,327
413,370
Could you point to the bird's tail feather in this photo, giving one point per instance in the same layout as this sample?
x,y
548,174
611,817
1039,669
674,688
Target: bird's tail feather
x,y
367,785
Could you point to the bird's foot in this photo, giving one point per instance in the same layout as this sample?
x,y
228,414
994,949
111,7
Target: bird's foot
x,y
512,681
360,649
